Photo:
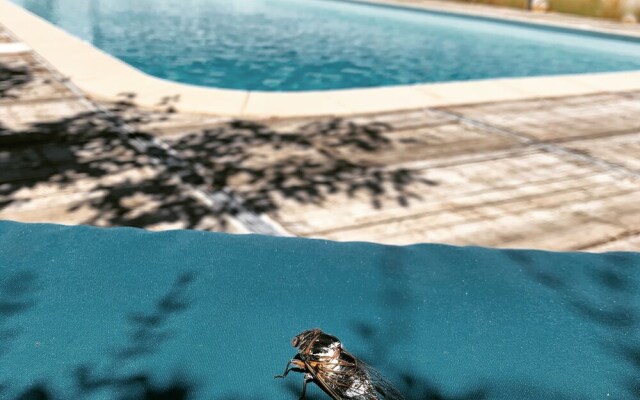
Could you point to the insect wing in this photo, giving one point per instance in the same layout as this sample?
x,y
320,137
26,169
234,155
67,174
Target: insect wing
x,y
384,389
352,379
335,378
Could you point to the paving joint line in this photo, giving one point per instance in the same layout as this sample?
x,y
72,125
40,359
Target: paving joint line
x,y
628,94
546,146
598,136
453,208
226,196
622,236
42,100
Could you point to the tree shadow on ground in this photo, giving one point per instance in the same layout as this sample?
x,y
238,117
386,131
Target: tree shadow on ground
x,y
12,78
131,178
305,165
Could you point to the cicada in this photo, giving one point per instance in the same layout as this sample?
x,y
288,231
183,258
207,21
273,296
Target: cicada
x,y
337,372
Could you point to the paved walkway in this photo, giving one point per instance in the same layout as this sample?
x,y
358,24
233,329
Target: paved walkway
x,y
521,15
557,173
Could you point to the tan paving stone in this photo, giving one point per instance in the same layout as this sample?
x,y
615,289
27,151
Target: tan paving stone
x,y
57,184
22,116
75,208
517,14
560,119
623,150
405,120
161,123
29,81
4,37
633,94
521,178
460,183
624,243
566,226
429,143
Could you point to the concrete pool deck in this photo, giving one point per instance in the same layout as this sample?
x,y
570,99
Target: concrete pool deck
x,y
105,78
558,173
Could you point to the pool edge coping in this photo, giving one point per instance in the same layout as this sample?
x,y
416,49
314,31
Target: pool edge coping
x,y
586,25
105,78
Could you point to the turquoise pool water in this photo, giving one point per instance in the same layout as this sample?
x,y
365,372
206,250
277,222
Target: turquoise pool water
x,y
292,45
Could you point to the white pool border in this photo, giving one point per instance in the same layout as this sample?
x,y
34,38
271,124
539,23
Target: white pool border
x,y
104,77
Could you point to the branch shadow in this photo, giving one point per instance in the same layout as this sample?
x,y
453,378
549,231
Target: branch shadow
x,y
131,178
17,297
12,78
603,292
398,300
125,176
147,333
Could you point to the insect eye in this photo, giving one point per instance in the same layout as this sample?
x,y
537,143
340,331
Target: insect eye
x,y
295,341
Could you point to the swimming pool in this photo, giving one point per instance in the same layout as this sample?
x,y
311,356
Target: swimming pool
x,y
297,45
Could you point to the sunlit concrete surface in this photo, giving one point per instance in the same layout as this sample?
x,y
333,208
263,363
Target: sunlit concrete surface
x,y
556,173
518,15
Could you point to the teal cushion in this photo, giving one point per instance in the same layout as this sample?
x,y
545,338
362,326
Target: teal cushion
x,y
89,313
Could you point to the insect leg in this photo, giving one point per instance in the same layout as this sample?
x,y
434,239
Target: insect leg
x,y
286,371
297,365
307,378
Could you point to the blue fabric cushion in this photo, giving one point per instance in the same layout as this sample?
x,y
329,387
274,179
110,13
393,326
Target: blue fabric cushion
x,y
88,313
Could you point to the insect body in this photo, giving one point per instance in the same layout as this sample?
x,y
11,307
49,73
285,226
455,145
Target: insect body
x,y
338,373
